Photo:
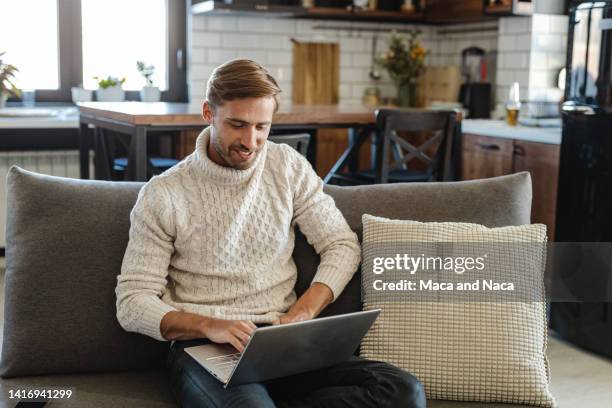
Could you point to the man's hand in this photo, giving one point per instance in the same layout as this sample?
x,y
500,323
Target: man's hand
x,y
235,332
186,326
309,305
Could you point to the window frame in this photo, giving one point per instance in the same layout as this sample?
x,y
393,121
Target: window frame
x,y
71,54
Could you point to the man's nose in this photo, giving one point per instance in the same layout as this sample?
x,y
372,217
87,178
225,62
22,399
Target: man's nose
x,y
249,138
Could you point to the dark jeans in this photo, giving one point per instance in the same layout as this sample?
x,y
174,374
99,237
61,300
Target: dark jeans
x,y
353,383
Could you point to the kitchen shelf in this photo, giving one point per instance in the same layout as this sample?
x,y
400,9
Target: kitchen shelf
x,y
220,7
322,13
359,15
438,12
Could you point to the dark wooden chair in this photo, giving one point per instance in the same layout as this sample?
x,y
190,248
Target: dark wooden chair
x,y
298,141
393,153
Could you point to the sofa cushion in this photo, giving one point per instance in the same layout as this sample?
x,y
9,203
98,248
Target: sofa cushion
x,y
492,202
467,345
65,244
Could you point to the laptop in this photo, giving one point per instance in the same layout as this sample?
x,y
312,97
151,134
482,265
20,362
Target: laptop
x,y
286,349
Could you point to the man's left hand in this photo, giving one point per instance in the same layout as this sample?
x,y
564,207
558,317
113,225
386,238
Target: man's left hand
x,y
309,305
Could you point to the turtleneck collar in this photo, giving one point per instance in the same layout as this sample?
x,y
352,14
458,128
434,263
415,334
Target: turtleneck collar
x,y
221,174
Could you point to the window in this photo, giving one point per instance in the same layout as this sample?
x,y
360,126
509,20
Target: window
x,y
138,33
58,44
36,56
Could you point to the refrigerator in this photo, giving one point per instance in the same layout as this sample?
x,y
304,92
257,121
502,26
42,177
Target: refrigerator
x,y
584,202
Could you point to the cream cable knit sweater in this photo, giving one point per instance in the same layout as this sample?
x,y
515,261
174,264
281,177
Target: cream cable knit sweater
x,y
217,241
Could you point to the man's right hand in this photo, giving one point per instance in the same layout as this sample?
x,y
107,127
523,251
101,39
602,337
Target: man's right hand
x,y
178,325
235,332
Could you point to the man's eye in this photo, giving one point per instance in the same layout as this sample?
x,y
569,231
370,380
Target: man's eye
x,y
236,126
261,127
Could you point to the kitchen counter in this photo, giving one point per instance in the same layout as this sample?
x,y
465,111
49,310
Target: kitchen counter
x,y
499,128
39,118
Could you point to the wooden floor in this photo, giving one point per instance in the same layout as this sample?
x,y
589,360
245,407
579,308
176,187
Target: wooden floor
x,y
579,379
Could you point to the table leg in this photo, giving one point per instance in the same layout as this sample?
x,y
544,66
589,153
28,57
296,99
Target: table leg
x,y
104,158
137,160
353,164
85,145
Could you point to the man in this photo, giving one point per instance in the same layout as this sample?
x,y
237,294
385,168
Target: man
x,y
209,256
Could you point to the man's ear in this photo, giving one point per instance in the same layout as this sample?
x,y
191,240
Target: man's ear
x,y
207,112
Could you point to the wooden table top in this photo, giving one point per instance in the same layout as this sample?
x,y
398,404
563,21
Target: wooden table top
x,y
184,114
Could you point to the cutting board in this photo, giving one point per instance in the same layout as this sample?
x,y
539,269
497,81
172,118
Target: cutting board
x,y
316,73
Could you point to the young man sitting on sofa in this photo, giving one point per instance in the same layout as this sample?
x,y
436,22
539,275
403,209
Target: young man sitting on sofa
x,y
209,256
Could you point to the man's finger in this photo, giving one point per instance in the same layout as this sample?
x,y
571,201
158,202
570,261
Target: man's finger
x,y
247,328
251,325
241,335
234,341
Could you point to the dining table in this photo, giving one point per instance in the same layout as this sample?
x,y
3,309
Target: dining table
x,y
139,119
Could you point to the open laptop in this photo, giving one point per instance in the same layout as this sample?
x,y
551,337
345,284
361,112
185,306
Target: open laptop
x,y
286,349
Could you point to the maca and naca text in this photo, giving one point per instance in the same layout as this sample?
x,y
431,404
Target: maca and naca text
x,y
422,263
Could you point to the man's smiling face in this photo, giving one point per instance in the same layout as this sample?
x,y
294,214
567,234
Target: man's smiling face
x,y
239,130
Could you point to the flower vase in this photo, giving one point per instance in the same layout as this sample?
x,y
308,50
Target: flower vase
x,y
406,95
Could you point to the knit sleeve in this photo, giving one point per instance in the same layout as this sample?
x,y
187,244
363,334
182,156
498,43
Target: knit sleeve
x,y
145,264
324,226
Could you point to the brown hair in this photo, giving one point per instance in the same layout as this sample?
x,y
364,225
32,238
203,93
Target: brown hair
x,y
240,78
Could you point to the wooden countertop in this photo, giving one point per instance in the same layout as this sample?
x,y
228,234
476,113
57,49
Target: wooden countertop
x,y
177,114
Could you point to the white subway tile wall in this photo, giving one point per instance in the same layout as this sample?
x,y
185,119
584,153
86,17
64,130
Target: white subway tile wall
x,y
216,39
513,55
548,56
530,50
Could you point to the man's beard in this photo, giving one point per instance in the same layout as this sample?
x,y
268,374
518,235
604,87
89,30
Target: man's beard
x,y
226,154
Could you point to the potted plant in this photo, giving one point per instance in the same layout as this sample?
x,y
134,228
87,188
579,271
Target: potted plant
x,y
109,89
7,87
149,93
405,62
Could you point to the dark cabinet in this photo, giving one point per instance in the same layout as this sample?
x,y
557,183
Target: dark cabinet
x,y
486,156
451,11
509,7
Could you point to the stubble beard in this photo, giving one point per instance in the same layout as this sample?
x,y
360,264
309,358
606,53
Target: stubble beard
x,y
225,155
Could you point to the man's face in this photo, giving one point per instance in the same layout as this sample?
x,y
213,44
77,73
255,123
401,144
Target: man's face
x,y
239,131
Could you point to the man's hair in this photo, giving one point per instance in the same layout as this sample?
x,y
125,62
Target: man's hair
x,y
238,79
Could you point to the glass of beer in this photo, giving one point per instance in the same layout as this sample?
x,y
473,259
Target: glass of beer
x,y
512,114
513,105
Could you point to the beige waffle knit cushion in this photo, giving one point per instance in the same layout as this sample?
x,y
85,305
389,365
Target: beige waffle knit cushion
x,y
465,351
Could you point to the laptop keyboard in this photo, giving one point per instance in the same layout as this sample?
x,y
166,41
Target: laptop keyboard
x,y
223,365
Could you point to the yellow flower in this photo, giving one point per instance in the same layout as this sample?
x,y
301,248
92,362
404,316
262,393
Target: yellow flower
x,y
417,52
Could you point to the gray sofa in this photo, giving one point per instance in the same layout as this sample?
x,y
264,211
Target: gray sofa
x,y
65,244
